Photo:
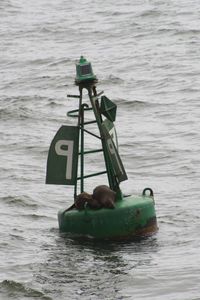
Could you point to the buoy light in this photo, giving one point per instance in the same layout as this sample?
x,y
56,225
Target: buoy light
x,y
84,71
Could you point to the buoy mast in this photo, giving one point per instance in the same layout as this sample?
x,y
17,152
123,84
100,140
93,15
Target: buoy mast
x,y
85,79
105,114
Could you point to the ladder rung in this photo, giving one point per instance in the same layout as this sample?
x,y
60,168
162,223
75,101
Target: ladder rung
x,y
90,122
73,96
93,174
87,108
92,151
98,137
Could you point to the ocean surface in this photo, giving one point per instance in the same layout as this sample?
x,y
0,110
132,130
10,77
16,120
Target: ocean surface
x,y
146,55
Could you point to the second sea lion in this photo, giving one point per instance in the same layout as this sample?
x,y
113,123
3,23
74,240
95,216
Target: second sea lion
x,y
104,196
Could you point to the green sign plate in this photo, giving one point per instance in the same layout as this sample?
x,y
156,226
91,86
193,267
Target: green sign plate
x,y
112,131
63,156
115,159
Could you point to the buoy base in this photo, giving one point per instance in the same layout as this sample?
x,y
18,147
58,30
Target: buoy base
x,y
133,216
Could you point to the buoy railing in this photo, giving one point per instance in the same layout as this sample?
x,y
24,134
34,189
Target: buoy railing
x,y
72,113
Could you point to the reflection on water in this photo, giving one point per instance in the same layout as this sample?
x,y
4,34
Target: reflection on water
x,y
92,267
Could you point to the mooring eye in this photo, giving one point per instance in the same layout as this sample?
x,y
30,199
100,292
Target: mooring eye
x,y
150,192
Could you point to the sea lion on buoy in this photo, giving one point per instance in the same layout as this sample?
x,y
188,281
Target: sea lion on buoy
x,y
104,196
81,199
84,198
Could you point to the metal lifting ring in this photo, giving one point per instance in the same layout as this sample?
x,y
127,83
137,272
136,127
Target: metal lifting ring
x,y
85,106
147,189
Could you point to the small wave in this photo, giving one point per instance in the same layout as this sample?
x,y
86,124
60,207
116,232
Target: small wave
x,y
16,201
165,30
37,217
20,113
38,149
183,32
136,104
54,230
61,62
15,289
51,29
112,79
46,30
53,103
23,108
15,108
120,13
17,237
9,7
39,61
150,13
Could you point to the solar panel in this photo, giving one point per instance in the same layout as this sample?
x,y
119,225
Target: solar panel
x,y
86,69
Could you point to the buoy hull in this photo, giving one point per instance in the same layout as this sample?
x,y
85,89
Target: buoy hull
x,y
133,216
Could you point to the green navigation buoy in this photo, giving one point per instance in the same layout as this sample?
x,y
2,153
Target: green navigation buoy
x,y
130,216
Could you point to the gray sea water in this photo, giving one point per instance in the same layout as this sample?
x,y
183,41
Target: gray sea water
x,y
146,55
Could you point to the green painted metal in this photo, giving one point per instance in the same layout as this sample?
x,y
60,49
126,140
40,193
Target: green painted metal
x,y
75,113
82,146
73,96
63,156
115,160
91,133
79,125
113,181
131,216
90,122
93,151
112,131
108,108
92,175
84,71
